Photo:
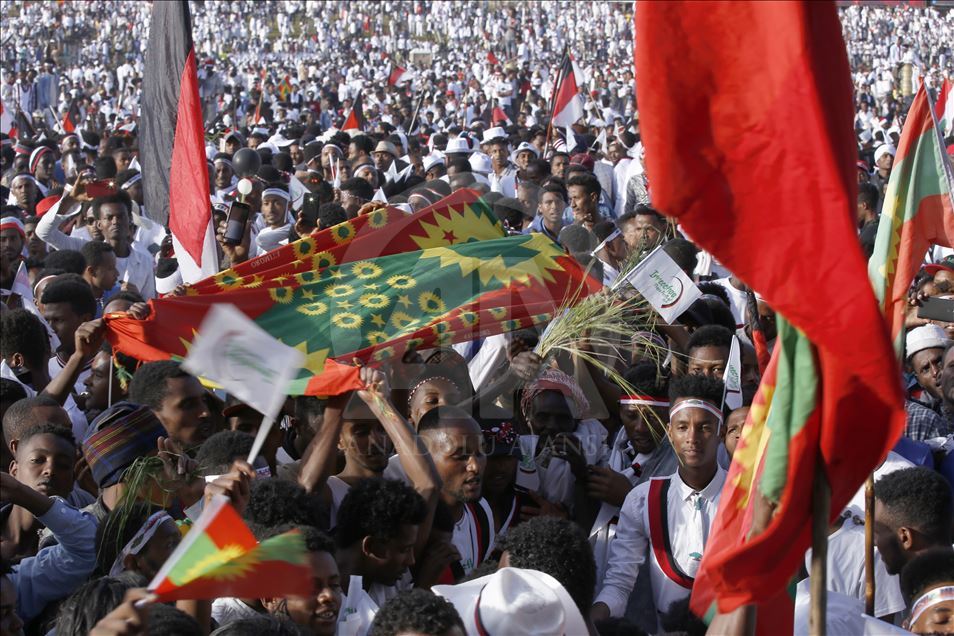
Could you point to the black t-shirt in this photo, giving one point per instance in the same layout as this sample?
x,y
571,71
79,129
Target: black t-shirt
x,y
869,232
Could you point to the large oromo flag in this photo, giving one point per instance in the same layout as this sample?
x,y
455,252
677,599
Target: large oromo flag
x,y
172,144
757,161
918,212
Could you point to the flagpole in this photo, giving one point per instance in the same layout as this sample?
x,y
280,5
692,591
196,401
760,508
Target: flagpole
x,y
420,100
821,508
553,94
869,546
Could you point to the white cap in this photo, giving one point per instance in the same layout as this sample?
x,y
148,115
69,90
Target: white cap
x,y
480,163
493,133
516,602
458,145
882,150
924,337
525,146
433,160
278,140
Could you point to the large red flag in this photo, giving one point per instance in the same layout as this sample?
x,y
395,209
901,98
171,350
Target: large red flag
x,y
172,145
746,114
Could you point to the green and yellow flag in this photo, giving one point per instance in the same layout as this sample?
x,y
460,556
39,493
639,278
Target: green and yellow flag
x,y
376,309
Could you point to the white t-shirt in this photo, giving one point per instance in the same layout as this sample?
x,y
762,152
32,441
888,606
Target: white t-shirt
x,y
846,568
467,540
891,463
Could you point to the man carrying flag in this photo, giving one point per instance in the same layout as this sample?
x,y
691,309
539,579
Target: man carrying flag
x,y
567,101
173,142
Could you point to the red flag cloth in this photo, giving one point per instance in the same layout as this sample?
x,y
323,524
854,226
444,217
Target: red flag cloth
x,y
492,58
757,161
355,119
172,144
567,102
396,74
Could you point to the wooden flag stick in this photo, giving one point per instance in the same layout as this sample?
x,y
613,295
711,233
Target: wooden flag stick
x,y
821,505
869,546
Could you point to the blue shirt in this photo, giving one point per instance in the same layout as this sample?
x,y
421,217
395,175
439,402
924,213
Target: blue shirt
x,y
55,572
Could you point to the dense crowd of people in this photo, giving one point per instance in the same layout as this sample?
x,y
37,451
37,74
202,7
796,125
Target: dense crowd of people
x,y
470,489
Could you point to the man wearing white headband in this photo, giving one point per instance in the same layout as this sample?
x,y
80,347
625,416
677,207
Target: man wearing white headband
x,y
928,581
272,228
639,452
612,250
664,524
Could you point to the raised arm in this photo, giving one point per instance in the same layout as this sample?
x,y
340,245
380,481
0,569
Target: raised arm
x,y
318,460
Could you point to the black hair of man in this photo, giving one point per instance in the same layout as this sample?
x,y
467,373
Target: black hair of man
x,y
217,453
89,604
416,611
11,392
125,175
442,417
683,252
262,625
868,195
711,312
918,498
330,214
94,252
557,547
696,386
120,197
105,167
116,530
363,143
555,188
642,209
149,385
603,229
71,291
577,238
645,377
460,165
22,332
20,416
679,619
587,181
274,502
715,289
377,508
358,187
927,570
47,428
127,295
70,261
166,620
315,539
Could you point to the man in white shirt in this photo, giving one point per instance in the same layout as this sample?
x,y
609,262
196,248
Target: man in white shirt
x,y
664,524
113,215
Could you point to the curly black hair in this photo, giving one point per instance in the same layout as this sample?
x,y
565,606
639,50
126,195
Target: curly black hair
x,y
919,498
441,416
377,508
927,570
47,428
22,332
709,336
166,620
149,383
11,391
559,548
680,619
275,502
21,415
696,386
71,261
72,291
416,611
219,451
646,377
264,625
89,604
